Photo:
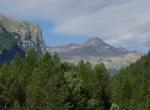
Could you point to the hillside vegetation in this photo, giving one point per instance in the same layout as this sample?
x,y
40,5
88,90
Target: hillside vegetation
x,y
8,40
44,83
131,88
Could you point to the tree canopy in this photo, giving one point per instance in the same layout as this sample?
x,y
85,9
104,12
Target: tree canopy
x,y
45,83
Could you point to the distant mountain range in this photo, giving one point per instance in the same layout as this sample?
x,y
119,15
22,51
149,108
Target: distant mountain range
x,y
95,50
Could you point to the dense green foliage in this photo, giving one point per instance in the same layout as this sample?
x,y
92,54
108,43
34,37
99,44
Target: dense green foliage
x,y
131,88
8,55
44,83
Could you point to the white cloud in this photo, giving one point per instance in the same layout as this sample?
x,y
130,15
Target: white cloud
x,y
117,21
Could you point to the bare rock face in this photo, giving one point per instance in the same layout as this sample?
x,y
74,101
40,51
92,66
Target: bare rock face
x,y
31,34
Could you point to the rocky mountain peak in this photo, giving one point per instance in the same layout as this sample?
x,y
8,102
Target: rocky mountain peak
x,y
96,41
95,50
30,33
94,47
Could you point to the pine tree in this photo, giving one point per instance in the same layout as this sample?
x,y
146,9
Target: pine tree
x,y
101,92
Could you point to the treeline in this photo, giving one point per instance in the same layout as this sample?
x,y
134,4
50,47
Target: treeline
x,y
131,87
44,83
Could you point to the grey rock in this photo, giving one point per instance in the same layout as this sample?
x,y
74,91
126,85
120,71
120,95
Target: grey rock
x,y
31,34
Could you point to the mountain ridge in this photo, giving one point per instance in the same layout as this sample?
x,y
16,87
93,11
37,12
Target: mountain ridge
x,y
95,50
94,44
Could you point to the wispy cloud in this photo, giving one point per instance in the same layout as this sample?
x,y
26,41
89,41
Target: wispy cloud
x,y
117,21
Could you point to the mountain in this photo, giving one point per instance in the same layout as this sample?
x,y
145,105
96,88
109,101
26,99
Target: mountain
x,y
7,39
95,50
10,45
28,35
94,47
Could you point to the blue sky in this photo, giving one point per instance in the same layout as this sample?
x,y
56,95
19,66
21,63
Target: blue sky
x,y
56,39
121,23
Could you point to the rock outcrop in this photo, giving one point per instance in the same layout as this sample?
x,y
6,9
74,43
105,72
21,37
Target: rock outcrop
x,y
29,33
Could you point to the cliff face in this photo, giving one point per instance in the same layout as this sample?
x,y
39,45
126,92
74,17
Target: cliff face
x,y
29,33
